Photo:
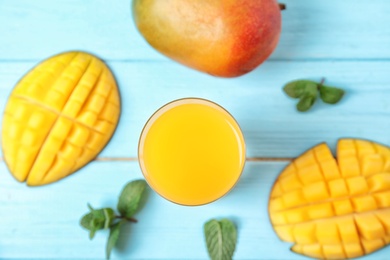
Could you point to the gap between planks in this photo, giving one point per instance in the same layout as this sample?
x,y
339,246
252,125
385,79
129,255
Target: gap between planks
x,y
134,159
156,60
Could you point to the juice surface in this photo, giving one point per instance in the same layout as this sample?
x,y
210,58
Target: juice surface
x,y
192,151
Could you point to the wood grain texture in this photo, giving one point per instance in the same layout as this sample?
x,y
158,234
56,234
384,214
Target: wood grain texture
x,y
329,29
271,125
345,41
42,222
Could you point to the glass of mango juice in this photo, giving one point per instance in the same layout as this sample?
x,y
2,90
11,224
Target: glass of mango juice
x,y
191,151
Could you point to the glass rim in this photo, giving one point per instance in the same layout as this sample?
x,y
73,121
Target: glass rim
x,y
166,107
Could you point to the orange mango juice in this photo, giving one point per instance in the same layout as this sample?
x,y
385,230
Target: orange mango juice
x,y
191,151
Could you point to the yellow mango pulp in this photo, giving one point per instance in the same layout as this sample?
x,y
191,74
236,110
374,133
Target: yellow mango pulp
x,y
59,116
334,209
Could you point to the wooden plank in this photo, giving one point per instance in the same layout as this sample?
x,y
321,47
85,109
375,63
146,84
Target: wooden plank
x,y
311,30
42,222
271,125
345,41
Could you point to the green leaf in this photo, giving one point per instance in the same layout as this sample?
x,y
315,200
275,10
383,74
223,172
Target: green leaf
x,y
221,239
87,223
299,88
92,234
305,90
130,197
97,219
331,95
305,103
86,220
113,238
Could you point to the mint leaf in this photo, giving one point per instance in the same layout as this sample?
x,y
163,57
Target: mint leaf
x,y
221,239
97,219
130,197
306,102
299,88
331,95
87,223
113,238
307,92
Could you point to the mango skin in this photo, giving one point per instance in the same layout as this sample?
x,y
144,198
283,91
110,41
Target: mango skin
x,y
225,38
58,117
334,209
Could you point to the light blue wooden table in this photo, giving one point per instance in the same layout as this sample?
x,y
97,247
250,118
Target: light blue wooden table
x,y
348,42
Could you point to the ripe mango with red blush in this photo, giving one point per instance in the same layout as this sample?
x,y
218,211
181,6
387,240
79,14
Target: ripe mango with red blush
x,y
219,37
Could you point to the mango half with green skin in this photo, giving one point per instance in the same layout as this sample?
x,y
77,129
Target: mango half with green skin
x,y
225,38
334,209
59,116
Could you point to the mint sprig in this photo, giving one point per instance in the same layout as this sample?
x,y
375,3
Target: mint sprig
x,y
307,92
105,218
221,239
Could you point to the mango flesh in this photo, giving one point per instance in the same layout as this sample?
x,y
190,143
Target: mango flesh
x,y
59,116
225,38
334,209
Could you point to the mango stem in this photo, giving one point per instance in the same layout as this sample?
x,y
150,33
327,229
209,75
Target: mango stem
x,y
282,6
321,83
128,219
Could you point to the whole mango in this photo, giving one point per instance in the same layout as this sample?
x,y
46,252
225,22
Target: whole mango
x,y
59,116
334,209
225,38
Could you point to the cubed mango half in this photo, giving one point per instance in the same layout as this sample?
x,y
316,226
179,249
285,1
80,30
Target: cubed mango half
x,y
334,209
58,118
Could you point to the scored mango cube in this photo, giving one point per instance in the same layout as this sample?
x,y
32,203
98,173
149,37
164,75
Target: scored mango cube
x,y
379,182
348,230
338,188
364,147
335,209
372,245
349,166
384,218
369,226
363,204
310,174
327,163
353,250
333,251
305,233
371,164
59,116
357,185
319,211
327,232
316,191
343,207
297,215
313,250
293,199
